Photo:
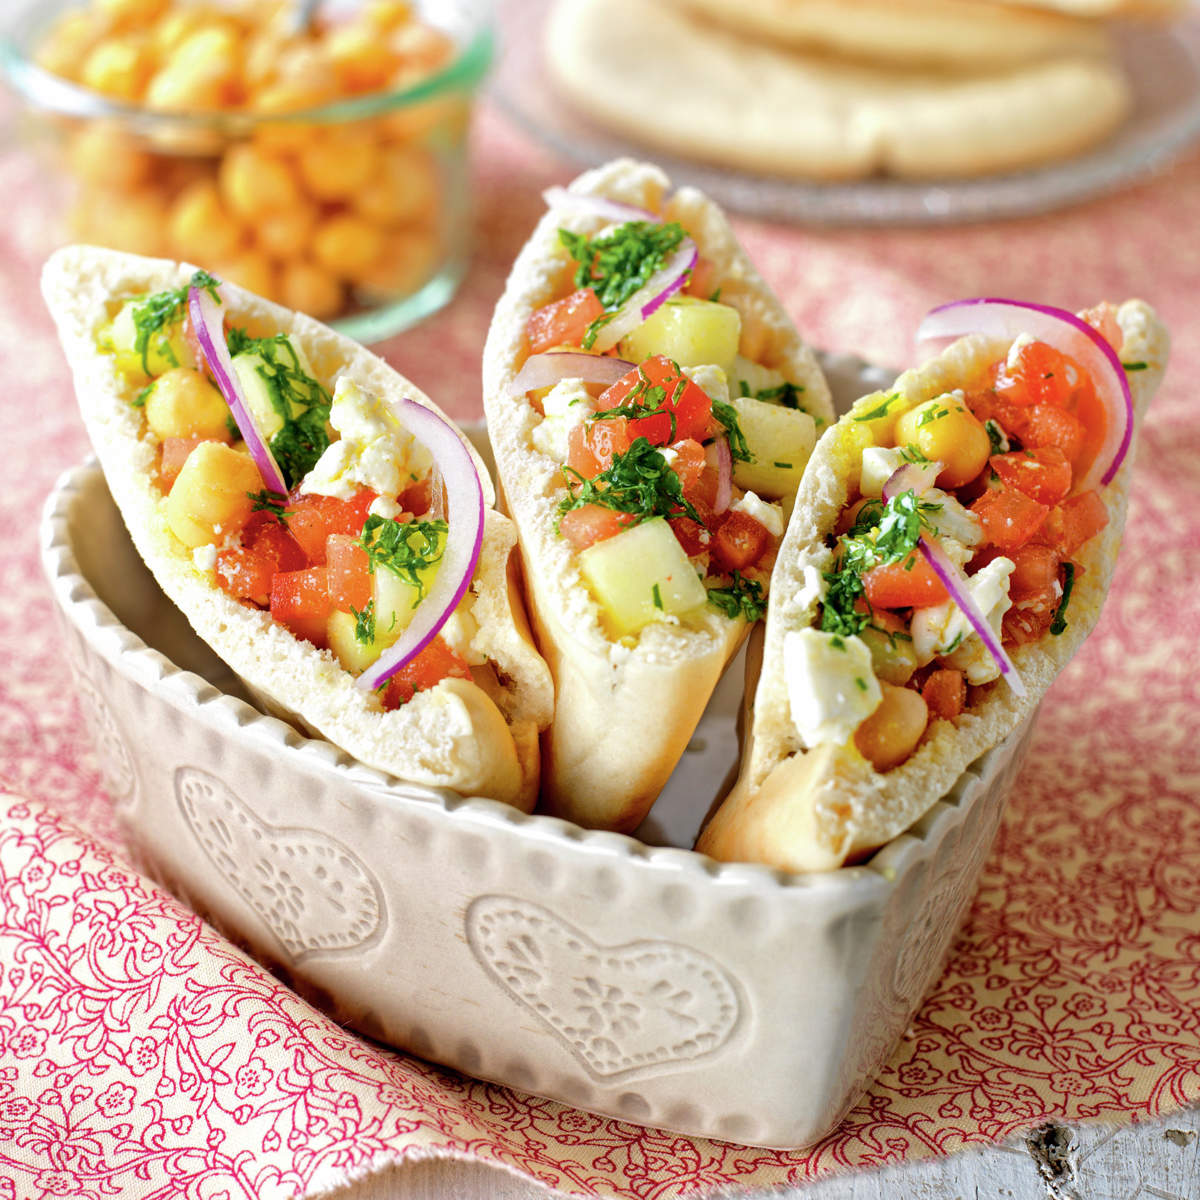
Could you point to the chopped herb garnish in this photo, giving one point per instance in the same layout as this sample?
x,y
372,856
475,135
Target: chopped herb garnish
x,y
785,394
1059,624
783,466
639,482
299,401
364,622
156,312
862,683
139,401
406,548
997,436
954,645
715,298
880,410
932,414
656,594
1136,366
742,598
739,449
646,399
617,263
271,502
912,454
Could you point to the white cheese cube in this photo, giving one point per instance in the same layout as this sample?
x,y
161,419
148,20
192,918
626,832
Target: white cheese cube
x,y
831,685
942,630
769,515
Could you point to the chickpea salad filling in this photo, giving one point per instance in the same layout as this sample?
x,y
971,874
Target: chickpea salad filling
x,y
348,519
676,454
959,543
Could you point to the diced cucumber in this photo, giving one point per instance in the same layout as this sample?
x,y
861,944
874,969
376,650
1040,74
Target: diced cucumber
x,y
779,440
354,655
397,595
165,348
641,575
756,378
690,331
267,418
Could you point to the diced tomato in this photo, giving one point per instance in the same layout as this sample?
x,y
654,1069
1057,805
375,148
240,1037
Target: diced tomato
x,y
945,692
173,453
1034,591
909,583
417,497
300,594
680,397
264,547
696,537
1043,474
1041,374
690,465
740,542
607,438
579,455
563,322
311,519
1074,522
703,279
987,406
350,583
1047,425
435,663
592,523
1094,418
1009,517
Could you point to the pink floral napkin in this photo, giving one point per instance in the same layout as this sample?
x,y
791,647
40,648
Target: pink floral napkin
x,y
143,1056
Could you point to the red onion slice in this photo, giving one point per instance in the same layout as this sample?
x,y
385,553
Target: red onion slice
x,y
660,287
724,459
998,317
545,370
598,206
208,323
912,477
464,539
960,591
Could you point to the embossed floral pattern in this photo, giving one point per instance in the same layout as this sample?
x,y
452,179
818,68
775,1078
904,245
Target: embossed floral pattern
x,y
140,1055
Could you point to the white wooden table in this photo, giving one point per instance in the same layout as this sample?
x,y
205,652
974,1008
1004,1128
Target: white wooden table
x,y
1094,1161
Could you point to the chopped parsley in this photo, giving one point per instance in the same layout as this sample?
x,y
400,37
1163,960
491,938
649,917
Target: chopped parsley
x,y
880,410
271,502
615,264
783,466
742,598
1059,624
1136,366
646,399
881,534
932,414
727,415
364,623
139,401
862,683
300,402
656,596
157,312
639,482
405,548
997,436
786,395
912,454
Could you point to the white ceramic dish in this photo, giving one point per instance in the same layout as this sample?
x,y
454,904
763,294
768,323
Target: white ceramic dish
x,y
1161,60
644,982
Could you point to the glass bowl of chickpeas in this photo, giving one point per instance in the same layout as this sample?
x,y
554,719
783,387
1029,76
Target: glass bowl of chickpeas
x,y
322,166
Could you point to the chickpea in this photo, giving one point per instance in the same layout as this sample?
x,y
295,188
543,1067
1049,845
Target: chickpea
x,y
347,246
445,120
947,431
252,270
336,163
165,349
282,234
68,44
101,152
125,220
404,189
201,73
118,67
307,288
407,262
211,496
134,14
882,427
254,183
388,14
891,733
278,100
201,228
174,28
363,60
892,653
183,403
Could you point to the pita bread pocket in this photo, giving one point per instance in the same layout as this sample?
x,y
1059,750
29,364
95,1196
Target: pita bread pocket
x,y
648,491
315,516
950,549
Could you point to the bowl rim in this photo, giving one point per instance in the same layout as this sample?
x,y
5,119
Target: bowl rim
x,y
128,653
47,92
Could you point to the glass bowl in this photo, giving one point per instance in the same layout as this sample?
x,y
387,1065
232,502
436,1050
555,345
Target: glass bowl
x,y
354,209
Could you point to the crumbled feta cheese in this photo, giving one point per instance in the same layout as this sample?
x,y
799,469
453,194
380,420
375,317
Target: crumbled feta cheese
x,y
1014,351
879,464
670,457
952,520
763,511
458,633
943,629
384,506
812,591
205,557
711,380
831,685
373,449
566,405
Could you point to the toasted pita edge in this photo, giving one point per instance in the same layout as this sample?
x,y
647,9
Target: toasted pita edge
x,y
623,716
812,810
453,735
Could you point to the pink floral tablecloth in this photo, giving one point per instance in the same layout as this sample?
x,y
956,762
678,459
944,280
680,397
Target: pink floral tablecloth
x,y
143,1056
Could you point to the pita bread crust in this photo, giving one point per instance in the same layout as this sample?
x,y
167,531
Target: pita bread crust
x,y
451,736
801,815
722,99
623,715
960,36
